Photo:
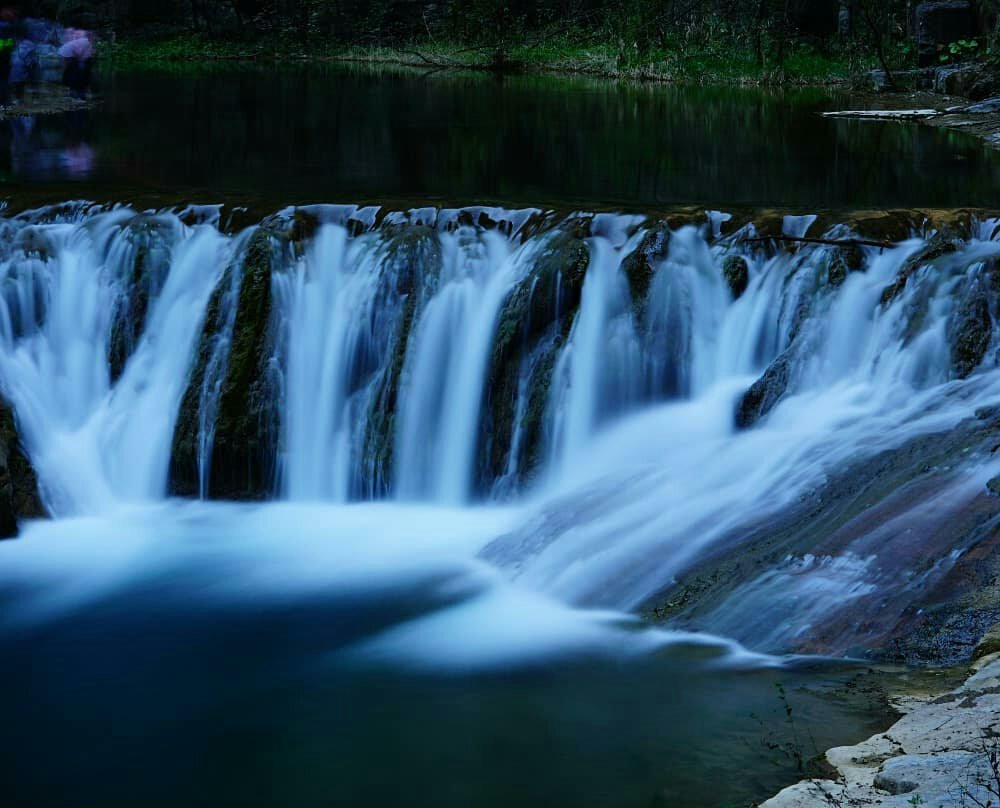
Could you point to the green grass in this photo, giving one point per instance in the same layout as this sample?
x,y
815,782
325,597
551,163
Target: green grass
x,y
716,63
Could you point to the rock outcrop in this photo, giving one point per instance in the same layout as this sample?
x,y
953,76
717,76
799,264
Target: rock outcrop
x,y
970,332
765,393
640,266
941,244
245,424
940,23
942,752
533,323
19,496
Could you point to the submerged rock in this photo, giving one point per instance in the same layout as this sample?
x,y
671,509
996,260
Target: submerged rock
x,y
19,496
736,271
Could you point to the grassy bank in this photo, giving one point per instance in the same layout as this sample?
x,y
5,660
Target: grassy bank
x,y
716,63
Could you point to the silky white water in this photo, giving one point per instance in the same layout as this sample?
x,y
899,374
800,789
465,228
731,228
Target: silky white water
x,y
642,471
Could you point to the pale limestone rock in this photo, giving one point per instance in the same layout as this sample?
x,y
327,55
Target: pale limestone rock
x,y
934,754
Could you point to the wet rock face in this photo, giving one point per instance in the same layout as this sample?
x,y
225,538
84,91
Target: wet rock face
x,y
541,307
245,427
940,23
736,271
149,238
847,259
941,244
640,266
414,265
19,497
765,393
970,332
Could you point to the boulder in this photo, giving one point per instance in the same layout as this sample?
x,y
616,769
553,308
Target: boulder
x,y
954,79
736,271
985,84
641,264
939,24
765,393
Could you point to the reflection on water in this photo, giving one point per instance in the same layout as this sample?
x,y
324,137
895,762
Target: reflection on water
x,y
44,149
329,133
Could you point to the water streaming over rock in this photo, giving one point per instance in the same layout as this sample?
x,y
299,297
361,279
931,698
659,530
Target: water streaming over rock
x,y
654,395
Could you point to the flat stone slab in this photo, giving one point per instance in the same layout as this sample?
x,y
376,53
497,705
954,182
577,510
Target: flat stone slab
x,y
883,114
989,105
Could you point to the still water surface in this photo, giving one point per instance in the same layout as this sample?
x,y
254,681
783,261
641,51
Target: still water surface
x,y
335,133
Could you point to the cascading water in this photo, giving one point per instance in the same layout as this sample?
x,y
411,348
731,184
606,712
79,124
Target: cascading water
x,y
96,440
594,370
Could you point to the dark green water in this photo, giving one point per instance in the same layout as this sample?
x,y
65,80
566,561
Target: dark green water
x,y
332,133
161,694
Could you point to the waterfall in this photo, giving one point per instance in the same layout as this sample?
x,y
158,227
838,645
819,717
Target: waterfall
x,y
95,439
656,396
440,404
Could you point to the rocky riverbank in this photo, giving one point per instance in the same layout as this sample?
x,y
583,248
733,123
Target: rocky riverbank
x,y
48,102
943,753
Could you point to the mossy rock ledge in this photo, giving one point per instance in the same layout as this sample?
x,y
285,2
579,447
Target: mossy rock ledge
x,y
534,322
411,271
19,495
246,426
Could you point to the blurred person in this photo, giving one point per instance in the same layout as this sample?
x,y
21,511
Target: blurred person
x,y
8,21
78,56
24,66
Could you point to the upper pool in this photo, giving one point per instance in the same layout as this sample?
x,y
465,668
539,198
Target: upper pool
x,y
338,133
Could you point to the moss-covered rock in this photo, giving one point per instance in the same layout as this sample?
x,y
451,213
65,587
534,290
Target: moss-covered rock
x,y
641,264
843,261
765,393
942,243
242,462
736,271
543,305
19,496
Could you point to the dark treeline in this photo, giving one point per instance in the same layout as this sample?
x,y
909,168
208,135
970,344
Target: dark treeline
x,y
647,22
635,28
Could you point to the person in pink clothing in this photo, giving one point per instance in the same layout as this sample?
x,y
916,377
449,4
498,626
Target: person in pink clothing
x,y
78,56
